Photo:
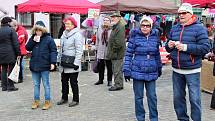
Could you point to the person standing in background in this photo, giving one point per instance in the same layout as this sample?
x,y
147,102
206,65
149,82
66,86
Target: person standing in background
x,y
212,106
188,43
9,51
22,38
102,39
71,45
143,64
116,50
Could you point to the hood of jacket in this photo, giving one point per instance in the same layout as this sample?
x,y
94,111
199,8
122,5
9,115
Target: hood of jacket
x,y
67,34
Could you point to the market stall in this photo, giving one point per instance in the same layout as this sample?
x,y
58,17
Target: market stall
x,y
56,6
201,3
152,6
65,7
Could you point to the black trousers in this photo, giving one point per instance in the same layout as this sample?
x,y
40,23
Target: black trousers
x,y
72,77
21,69
6,70
213,100
101,65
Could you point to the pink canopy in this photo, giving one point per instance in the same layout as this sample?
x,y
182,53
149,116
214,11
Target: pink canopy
x,y
57,6
201,3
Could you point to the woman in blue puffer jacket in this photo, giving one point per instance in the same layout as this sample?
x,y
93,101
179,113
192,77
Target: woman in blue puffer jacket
x,y
143,65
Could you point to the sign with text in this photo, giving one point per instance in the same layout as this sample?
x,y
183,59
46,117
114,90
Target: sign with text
x,y
93,13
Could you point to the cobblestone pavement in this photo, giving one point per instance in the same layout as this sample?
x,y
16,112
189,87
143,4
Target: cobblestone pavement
x,y
96,102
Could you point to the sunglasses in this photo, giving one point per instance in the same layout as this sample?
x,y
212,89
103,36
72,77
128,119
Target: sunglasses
x,y
145,25
182,13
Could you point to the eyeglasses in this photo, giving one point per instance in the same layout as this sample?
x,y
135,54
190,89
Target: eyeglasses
x,y
145,25
182,13
106,20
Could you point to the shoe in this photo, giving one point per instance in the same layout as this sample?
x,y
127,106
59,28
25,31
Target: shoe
x,y
4,89
20,81
35,104
212,109
113,88
47,105
73,103
109,83
98,83
12,89
62,101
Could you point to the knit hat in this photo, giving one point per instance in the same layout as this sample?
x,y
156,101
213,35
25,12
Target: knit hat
x,y
186,7
147,18
74,22
40,23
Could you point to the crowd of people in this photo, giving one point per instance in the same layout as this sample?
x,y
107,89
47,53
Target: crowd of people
x,y
188,43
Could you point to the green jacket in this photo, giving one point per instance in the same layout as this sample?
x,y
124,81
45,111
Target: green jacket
x,y
116,44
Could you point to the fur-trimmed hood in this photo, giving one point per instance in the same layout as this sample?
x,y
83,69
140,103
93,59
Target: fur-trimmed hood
x,y
42,28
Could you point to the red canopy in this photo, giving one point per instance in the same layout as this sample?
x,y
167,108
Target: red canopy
x,y
150,6
201,3
57,6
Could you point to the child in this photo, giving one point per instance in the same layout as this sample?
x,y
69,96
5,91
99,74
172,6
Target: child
x,y
43,59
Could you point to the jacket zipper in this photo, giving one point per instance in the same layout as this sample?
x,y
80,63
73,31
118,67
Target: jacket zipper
x,y
178,57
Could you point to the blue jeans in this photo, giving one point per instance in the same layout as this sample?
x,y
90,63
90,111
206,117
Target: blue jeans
x,y
179,91
36,77
138,87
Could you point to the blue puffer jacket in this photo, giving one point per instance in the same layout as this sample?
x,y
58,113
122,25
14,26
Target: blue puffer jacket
x,y
142,58
44,53
195,36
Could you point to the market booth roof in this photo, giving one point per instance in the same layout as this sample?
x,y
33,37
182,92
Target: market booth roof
x,y
201,3
149,6
57,6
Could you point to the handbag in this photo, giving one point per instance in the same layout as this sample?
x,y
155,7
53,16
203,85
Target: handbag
x,y
14,75
67,61
95,66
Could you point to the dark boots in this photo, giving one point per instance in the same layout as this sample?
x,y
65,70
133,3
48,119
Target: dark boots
x,y
109,83
98,82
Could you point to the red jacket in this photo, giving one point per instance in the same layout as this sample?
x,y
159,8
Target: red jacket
x,y
22,37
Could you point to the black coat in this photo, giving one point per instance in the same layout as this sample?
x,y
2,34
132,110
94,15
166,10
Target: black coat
x,y
9,45
44,53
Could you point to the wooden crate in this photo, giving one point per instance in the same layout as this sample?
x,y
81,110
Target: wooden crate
x,y
207,78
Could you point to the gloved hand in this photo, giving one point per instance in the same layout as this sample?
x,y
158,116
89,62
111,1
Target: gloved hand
x,y
159,72
127,78
76,67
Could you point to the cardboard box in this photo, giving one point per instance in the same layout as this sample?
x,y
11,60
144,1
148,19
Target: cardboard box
x,y
207,78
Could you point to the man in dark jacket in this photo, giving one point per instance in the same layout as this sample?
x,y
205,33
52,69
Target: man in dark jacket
x,y
187,44
9,50
116,49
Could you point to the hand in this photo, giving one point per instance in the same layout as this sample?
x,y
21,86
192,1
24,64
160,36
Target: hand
x,y
76,67
171,44
52,67
127,78
181,47
36,38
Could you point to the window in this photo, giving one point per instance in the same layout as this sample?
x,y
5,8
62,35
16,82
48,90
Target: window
x,y
26,19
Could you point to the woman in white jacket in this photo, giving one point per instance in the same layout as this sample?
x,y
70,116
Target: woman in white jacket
x,y
71,45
